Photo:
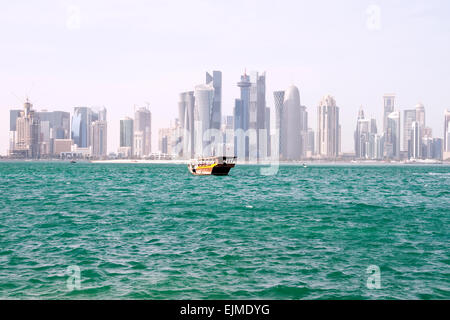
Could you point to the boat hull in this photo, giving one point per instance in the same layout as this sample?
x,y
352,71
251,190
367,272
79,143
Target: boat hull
x,y
217,170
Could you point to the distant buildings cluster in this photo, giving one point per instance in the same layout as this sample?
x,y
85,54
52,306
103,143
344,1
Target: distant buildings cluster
x,y
417,142
55,134
202,130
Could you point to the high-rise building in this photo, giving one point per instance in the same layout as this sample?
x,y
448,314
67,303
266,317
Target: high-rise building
x,y
278,97
204,100
365,140
164,140
13,115
142,144
291,124
416,141
409,116
257,113
392,136
420,115
99,138
437,148
328,128
215,80
28,133
241,119
126,137
208,116
389,105
311,149
446,153
81,122
54,125
186,117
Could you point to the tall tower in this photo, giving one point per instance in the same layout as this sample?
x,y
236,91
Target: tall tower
x,y
257,114
328,128
142,144
292,125
99,138
278,97
389,103
416,140
409,116
241,118
204,104
28,128
446,154
216,113
392,136
186,118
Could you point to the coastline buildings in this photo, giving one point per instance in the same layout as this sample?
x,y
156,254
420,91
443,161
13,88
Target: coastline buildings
x,y
142,136
89,131
258,137
366,138
126,137
388,107
241,114
208,116
409,116
55,126
99,138
291,124
392,136
28,132
252,119
446,153
328,128
186,117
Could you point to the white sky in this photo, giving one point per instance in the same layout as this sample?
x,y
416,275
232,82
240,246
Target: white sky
x,y
119,54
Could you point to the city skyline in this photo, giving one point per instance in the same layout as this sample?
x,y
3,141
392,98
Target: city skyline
x,y
36,134
121,70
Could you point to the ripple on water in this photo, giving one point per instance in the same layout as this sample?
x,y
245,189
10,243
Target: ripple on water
x,y
156,232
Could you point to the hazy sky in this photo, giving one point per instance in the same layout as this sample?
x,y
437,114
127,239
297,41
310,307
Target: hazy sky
x,y
119,54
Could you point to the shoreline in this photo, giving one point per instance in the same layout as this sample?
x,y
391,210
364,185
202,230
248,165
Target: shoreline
x,y
262,163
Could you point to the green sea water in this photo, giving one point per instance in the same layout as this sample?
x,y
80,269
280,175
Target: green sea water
x,y
140,231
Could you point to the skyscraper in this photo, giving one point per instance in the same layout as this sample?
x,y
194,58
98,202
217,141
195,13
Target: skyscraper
x,y
257,114
291,124
365,140
420,115
54,125
216,112
81,121
416,140
126,137
203,110
389,103
328,128
446,153
186,117
409,116
392,136
13,115
241,119
278,97
99,138
142,144
28,129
